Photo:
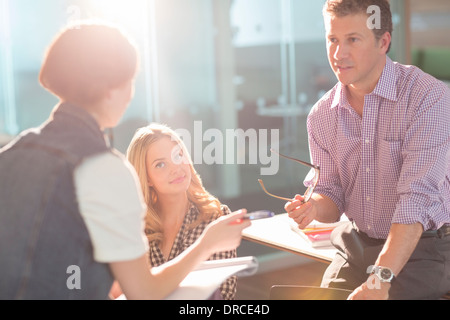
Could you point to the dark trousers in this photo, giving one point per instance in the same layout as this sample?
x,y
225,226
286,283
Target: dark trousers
x,y
425,276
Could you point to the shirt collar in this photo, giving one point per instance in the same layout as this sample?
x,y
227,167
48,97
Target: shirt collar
x,y
385,88
340,98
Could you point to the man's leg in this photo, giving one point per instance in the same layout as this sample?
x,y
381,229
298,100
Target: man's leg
x,y
348,270
425,276
427,273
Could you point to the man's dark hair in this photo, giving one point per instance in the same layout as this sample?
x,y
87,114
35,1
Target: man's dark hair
x,y
342,8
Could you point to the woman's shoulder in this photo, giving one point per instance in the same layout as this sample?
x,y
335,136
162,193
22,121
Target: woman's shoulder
x,y
224,210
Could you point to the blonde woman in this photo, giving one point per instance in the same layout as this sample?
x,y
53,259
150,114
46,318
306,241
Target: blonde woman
x,y
179,207
80,200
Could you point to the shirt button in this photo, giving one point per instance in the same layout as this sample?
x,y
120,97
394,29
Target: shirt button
x,y
368,198
369,227
368,170
367,141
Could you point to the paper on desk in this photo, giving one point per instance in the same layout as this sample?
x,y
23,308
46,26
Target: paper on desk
x,y
201,283
317,234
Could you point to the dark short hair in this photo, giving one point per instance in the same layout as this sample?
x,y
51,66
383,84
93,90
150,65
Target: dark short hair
x,y
86,60
342,8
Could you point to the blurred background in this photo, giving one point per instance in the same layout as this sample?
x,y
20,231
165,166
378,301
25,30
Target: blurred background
x,y
248,64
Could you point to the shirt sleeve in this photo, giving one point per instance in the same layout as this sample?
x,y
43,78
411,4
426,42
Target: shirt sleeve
x,y
329,184
112,206
424,185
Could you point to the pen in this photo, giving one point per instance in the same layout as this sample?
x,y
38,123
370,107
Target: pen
x,y
260,214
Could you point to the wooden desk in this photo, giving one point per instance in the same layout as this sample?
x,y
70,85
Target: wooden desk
x,y
275,232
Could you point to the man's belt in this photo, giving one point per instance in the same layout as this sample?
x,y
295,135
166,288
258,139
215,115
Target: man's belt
x,y
440,233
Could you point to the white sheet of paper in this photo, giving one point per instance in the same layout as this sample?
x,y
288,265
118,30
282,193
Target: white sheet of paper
x,y
201,283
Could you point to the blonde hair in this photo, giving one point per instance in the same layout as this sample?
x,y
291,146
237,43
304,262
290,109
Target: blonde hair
x,y
208,206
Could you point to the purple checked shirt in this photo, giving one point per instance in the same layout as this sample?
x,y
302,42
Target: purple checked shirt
x,y
393,164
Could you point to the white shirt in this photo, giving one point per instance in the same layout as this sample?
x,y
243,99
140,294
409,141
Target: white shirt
x,y
112,206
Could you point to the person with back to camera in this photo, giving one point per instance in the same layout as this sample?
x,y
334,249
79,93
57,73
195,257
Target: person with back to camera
x,y
178,206
381,137
70,202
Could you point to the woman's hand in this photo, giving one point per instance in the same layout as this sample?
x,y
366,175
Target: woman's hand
x,y
225,233
302,213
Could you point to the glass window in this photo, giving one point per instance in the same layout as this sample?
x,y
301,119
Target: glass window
x,y
236,77
430,43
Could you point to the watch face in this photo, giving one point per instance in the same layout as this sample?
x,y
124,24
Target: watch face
x,y
385,274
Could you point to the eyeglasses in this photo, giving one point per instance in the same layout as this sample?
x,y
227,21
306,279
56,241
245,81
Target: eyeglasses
x,y
309,191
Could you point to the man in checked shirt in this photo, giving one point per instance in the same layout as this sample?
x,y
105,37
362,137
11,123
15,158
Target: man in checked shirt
x,y
381,137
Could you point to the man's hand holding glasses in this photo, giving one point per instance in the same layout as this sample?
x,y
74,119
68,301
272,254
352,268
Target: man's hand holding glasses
x,y
300,209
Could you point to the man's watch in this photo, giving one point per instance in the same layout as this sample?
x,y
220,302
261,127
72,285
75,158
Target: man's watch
x,y
383,273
